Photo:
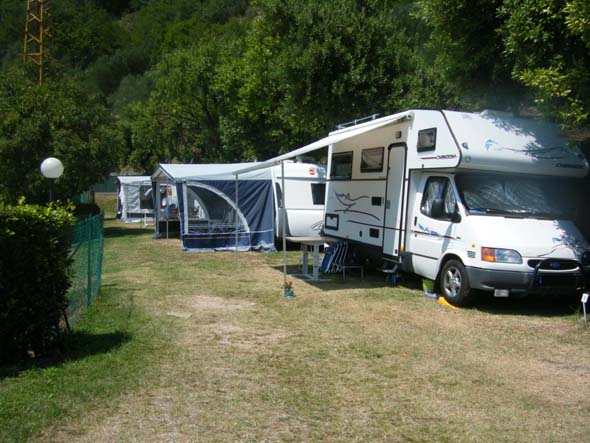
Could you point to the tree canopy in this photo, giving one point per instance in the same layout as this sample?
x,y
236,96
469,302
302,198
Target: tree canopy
x,y
132,83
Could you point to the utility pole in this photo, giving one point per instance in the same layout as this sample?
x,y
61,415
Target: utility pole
x,y
36,33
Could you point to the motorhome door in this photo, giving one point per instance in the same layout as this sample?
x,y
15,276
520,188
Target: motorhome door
x,y
394,201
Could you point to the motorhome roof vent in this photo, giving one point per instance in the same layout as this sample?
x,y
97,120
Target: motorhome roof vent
x,y
358,121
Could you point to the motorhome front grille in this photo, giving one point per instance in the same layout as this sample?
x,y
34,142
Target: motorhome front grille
x,y
554,265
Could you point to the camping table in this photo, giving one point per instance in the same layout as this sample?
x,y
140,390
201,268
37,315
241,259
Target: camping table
x,y
315,243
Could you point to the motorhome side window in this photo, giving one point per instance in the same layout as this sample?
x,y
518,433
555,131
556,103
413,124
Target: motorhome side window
x,y
372,160
341,166
426,140
318,193
439,188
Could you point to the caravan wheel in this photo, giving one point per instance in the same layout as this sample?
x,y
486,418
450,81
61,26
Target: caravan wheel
x,y
454,283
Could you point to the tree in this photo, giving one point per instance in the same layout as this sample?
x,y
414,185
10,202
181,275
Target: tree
x,y
309,65
466,51
83,32
12,16
547,43
180,120
54,119
514,54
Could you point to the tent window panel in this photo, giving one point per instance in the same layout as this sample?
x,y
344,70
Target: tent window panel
x,y
145,197
341,168
372,160
209,212
318,193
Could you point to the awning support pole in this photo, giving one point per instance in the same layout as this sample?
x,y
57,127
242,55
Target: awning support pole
x,y
284,222
157,211
237,218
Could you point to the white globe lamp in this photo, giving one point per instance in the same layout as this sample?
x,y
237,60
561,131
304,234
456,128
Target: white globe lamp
x,y
51,168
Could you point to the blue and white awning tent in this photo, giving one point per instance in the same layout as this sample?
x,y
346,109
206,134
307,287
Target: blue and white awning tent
x,y
218,212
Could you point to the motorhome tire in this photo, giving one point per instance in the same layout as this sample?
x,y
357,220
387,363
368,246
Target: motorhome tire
x,y
454,283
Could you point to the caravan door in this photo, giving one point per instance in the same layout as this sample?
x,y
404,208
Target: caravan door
x,y
394,201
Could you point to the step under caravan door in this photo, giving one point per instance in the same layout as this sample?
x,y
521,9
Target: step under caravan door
x,y
394,200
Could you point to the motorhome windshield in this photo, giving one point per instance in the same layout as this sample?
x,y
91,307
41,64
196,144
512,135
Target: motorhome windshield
x,y
517,196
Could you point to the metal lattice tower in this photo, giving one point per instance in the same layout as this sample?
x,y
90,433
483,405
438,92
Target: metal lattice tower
x,y
36,33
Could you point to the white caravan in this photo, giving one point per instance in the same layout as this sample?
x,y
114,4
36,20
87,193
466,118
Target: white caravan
x,y
475,201
305,188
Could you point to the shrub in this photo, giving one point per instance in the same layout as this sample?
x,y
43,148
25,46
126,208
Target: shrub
x,y
34,245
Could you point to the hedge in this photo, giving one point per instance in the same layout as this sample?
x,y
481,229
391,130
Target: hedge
x,y
34,262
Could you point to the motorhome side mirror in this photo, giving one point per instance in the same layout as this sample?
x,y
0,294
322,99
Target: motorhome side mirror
x,y
437,209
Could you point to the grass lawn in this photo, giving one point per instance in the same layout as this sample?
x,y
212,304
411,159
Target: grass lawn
x,y
202,347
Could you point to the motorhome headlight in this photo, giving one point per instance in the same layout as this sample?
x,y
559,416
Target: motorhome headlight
x,y
496,255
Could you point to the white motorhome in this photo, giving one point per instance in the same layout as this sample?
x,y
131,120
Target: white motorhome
x,y
304,194
474,201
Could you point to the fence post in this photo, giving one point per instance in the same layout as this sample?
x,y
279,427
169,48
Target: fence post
x,y
89,239
100,246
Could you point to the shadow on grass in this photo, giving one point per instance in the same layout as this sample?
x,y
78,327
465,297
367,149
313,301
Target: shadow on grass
x,y
75,346
532,305
372,278
123,231
543,306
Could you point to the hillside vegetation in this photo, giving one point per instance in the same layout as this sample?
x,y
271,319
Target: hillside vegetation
x,y
131,83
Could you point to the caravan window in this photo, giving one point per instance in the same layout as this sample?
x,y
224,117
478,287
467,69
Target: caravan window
x,y
439,187
372,160
426,140
341,166
318,193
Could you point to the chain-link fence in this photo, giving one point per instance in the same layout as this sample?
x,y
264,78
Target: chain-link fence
x,y
86,269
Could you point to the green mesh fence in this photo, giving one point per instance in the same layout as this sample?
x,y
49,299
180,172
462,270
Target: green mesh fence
x,y
86,269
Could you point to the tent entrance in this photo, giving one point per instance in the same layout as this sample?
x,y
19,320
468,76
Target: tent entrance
x,y
211,220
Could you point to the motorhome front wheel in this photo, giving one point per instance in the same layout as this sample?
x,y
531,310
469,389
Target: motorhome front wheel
x,y
454,283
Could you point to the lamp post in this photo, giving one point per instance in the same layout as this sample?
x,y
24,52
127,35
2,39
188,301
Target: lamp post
x,y
51,168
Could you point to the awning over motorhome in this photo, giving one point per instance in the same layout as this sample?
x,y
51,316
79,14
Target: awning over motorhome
x,y
334,137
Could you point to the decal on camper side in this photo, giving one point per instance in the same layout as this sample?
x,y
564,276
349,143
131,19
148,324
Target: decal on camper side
x,y
535,151
317,226
350,202
426,230
441,157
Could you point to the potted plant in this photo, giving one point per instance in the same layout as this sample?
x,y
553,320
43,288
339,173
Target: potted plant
x,y
288,289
